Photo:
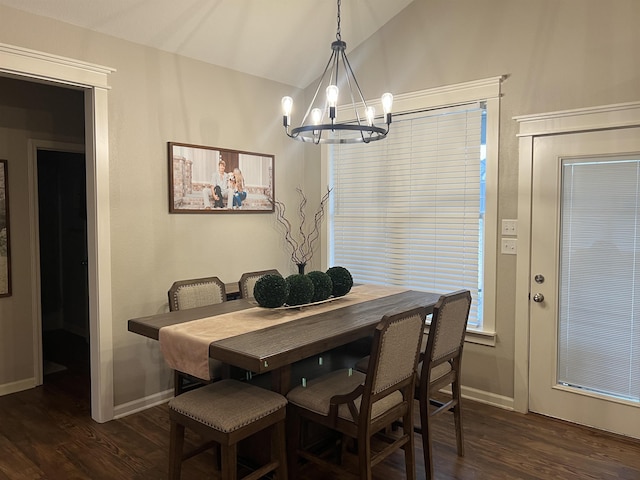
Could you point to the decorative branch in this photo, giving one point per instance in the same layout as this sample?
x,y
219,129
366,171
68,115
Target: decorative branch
x,y
301,248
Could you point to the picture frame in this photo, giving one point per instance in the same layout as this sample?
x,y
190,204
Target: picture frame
x,y
197,185
5,244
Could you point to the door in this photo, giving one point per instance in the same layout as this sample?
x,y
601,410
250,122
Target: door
x,y
585,279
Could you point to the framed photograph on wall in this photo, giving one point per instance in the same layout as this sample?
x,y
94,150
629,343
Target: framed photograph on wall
x,y
217,180
5,251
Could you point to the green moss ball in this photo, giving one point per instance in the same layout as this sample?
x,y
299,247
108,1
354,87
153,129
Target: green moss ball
x,y
300,289
341,279
271,291
322,285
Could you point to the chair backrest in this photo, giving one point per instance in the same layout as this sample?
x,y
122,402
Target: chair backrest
x,y
248,281
447,329
197,292
394,357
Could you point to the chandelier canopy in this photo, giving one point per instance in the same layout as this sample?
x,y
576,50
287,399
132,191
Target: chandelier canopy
x,y
320,123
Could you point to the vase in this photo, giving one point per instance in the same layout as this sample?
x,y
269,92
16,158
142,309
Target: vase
x,y
301,268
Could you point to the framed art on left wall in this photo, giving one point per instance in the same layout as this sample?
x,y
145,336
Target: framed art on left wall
x,y
5,251
218,180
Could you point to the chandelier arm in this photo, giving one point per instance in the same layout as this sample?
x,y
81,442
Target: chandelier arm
x,y
353,100
315,95
347,64
336,65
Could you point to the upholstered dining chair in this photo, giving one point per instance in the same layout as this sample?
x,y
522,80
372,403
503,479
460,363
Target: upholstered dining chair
x,y
361,406
197,292
440,366
225,413
248,281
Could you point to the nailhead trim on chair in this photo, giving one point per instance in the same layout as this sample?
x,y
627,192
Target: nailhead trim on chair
x,y
227,405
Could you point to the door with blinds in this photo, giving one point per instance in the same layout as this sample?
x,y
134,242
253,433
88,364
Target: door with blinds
x,y
585,279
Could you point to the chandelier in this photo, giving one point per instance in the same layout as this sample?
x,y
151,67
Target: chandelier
x,y
320,123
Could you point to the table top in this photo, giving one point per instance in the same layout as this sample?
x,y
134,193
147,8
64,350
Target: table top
x,y
284,344
280,345
150,326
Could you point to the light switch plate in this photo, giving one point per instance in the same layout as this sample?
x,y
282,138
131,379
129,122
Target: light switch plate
x,y
509,246
509,226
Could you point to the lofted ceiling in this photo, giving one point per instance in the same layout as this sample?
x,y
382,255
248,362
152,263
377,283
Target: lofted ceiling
x,y
283,40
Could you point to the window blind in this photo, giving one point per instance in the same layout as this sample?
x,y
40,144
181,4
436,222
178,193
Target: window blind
x,y
599,301
406,211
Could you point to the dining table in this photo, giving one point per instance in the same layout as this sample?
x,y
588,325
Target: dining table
x,y
240,333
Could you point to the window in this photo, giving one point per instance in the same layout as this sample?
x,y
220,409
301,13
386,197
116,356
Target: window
x,y
418,209
598,335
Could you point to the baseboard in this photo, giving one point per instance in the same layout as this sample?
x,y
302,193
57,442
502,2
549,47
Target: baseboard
x,y
136,406
481,396
19,386
488,398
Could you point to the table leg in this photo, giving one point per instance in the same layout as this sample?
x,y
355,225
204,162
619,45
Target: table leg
x,y
281,379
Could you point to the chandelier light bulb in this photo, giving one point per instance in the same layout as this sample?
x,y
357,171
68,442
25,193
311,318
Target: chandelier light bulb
x,y
287,105
316,116
371,114
332,95
387,102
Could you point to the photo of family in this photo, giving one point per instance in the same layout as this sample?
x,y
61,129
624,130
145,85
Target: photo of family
x,y
5,259
214,180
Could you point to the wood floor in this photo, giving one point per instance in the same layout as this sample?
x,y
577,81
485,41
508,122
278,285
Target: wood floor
x,y
47,433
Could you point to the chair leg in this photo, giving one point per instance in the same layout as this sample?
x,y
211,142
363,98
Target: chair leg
x,y
176,445
293,441
457,417
426,434
279,450
364,457
409,447
228,457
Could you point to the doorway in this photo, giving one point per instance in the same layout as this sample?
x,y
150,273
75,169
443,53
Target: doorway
x,y
579,267
585,285
64,292
32,65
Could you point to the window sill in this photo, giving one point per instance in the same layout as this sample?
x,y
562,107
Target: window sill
x,y
479,337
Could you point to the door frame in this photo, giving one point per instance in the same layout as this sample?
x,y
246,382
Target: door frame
x,y
35,66
606,117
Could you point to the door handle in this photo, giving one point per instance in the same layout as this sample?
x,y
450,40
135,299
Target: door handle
x,y
538,298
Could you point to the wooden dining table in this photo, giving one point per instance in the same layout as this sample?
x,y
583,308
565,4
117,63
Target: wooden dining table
x,y
274,346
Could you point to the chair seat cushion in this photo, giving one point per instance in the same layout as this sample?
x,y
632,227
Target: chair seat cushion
x,y
316,396
436,372
228,405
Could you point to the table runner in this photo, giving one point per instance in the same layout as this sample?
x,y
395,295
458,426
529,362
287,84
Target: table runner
x,y
185,346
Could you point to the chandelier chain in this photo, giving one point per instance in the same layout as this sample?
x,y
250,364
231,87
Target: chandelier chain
x,y
338,33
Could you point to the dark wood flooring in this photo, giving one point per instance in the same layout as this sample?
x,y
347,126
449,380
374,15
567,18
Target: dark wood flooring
x,y
47,433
